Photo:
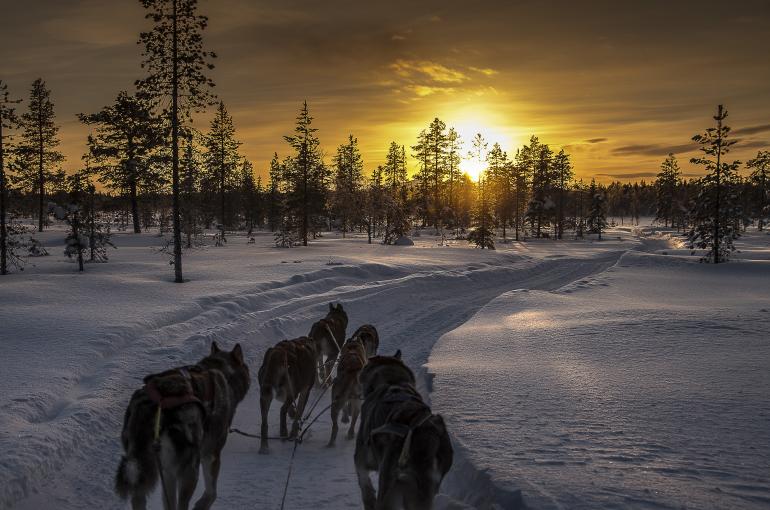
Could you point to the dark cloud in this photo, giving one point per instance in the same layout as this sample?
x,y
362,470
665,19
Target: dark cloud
x,y
595,140
653,149
752,130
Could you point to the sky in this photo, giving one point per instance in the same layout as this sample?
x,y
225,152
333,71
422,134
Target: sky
x,y
619,85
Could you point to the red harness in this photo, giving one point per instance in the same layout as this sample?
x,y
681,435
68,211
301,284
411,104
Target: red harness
x,y
186,396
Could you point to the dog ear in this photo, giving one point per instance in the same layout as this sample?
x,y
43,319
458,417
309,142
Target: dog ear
x,y
398,354
214,348
237,353
331,307
339,307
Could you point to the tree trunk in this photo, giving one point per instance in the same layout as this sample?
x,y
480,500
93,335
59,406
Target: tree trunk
x,y
175,150
134,206
40,174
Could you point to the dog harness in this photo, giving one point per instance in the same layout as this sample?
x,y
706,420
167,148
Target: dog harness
x,y
178,398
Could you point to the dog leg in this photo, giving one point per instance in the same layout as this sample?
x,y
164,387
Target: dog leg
x,y
210,477
284,411
335,411
346,413
265,398
188,476
367,489
355,405
303,396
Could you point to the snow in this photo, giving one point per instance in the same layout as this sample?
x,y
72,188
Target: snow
x,y
645,386
77,345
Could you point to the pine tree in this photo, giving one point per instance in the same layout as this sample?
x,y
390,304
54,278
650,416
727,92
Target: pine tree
x,y
347,199
760,179
250,195
176,62
563,176
715,209
37,155
597,212
126,138
483,236
666,186
306,175
190,177
8,121
421,152
274,194
499,184
222,159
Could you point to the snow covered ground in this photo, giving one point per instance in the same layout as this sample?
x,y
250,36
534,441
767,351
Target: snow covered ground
x,y
75,346
645,386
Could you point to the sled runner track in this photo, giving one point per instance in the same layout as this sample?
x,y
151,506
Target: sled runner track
x,y
411,310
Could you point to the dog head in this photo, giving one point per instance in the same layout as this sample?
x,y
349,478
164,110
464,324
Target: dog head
x,y
385,370
232,365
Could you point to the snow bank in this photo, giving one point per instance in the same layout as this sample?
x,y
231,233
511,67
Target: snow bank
x,y
644,387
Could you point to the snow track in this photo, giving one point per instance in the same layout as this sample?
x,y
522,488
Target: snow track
x,y
63,448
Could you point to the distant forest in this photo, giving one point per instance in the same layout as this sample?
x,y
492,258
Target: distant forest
x,y
156,170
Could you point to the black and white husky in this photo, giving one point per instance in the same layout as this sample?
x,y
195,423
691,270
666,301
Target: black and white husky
x,y
178,420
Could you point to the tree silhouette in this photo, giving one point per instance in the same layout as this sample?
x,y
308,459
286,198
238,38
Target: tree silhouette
x,y
176,63
760,178
127,134
666,186
715,211
349,168
222,158
8,121
36,152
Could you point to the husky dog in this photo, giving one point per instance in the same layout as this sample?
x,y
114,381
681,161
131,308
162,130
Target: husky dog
x,y
328,335
195,406
288,373
368,336
346,388
399,438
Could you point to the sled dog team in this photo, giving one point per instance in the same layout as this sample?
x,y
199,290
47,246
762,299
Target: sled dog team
x,y
179,420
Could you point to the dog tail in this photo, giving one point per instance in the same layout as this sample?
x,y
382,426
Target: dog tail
x,y
137,471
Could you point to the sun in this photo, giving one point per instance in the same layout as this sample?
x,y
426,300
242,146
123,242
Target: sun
x,y
472,167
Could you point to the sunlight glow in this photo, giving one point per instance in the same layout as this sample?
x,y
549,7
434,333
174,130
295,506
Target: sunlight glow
x,y
472,167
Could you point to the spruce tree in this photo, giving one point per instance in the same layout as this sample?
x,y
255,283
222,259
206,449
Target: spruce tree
x,y
483,235
250,197
597,212
563,175
8,121
306,175
127,136
274,194
348,176
176,63
421,152
37,154
715,209
222,159
760,180
666,186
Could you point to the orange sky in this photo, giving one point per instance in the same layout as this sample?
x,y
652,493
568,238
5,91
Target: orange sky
x,y
618,85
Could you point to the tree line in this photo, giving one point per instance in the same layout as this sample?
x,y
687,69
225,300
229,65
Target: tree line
x,y
158,170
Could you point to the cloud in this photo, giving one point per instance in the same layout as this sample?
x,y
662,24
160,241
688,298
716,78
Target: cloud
x,y
752,130
595,140
654,149
427,70
632,175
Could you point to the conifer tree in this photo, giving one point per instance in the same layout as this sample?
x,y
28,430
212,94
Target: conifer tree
x,y
421,152
190,178
760,179
222,158
715,209
38,157
306,175
597,212
348,167
483,235
177,65
499,184
666,189
274,194
563,176
250,195
126,138
8,121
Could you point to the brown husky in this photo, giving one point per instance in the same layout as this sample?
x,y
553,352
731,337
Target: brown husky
x,y
346,389
399,438
288,373
195,406
368,336
328,335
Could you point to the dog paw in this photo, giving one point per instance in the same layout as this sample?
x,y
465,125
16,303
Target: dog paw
x,y
264,450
